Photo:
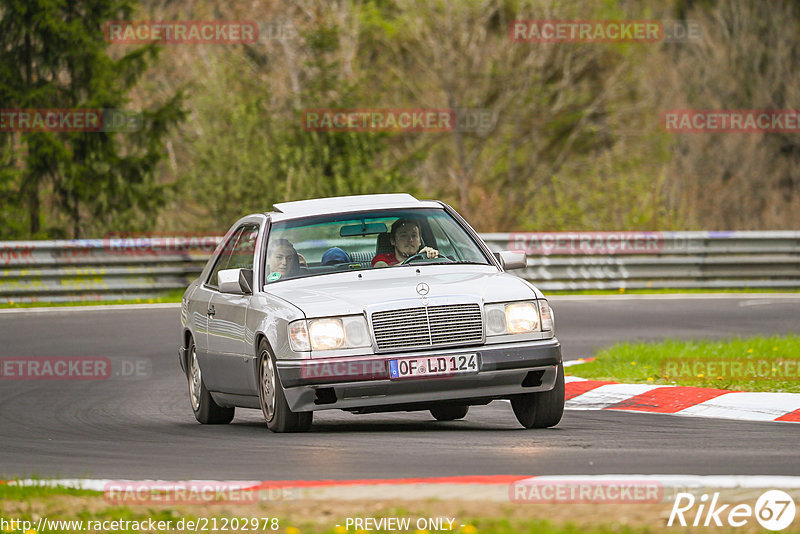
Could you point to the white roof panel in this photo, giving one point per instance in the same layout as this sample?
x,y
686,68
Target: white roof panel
x,y
320,206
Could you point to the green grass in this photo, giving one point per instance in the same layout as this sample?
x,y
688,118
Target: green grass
x,y
762,364
172,296
13,492
19,503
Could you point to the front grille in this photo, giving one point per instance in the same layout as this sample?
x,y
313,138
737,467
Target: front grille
x,y
432,326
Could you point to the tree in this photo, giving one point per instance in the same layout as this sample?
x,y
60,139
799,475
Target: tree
x,y
745,60
247,148
54,55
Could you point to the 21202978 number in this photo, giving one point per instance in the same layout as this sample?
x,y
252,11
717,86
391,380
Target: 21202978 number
x,y
236,523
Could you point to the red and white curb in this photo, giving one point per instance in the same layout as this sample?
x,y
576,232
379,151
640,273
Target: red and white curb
x,y
583,394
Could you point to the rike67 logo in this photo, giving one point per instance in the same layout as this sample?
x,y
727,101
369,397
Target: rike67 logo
x,y
774,510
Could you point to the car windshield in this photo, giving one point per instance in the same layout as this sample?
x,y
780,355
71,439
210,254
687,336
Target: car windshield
x,y
369,240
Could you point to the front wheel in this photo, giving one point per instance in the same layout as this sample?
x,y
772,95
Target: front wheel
x,y
542,409
205,410
273,401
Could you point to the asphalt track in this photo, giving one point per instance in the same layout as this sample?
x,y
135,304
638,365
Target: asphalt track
x,y
143,428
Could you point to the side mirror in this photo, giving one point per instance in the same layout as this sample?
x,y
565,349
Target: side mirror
x,y
236,281
511,259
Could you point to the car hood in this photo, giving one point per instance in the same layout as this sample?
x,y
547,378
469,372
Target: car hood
x,y
348,293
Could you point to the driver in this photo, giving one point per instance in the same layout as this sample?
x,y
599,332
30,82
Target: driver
x,y
405,238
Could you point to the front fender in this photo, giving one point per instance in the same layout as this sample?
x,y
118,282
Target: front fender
x,y
268,316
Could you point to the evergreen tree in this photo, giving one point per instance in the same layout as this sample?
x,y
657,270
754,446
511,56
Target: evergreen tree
x,y
54,55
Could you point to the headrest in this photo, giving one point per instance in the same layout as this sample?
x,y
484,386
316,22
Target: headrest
x,y
384,244
335,255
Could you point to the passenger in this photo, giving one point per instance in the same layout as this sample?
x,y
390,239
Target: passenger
x,y
335,256
406,240
282,259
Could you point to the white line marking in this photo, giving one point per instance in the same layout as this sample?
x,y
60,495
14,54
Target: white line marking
x,y
750,406
608,395
682,481
570,363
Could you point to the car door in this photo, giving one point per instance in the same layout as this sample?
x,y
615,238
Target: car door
x,y
226,368
201,299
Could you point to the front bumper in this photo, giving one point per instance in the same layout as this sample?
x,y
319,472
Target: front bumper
x,y
361,383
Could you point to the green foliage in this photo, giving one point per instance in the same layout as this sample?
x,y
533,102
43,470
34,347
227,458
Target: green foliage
x,y
54,56
576,144
249,153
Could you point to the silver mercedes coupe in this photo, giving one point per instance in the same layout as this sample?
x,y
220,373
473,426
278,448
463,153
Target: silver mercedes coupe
x,y
371,303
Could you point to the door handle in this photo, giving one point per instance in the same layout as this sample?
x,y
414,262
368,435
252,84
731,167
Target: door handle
x,y
211,311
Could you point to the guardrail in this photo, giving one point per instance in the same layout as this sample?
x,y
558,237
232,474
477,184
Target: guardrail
x,y
101,269
657,260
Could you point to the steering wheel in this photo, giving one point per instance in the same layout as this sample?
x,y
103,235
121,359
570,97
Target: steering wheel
x,y
423,256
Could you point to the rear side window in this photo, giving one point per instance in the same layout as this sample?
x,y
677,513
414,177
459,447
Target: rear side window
x,y
237,253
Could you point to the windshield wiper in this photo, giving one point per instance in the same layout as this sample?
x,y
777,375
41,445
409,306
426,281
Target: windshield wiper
x,y
451,262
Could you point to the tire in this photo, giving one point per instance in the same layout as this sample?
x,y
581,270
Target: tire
x,y
206,411
449,413
272,399
543,409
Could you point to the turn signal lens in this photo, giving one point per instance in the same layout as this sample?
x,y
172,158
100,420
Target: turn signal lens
x,y
548,323
298,336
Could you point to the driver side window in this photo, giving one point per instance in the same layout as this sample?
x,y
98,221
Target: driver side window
x,y
242,255
237,252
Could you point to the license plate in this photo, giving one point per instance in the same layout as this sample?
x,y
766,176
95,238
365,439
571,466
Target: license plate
x,y
433,366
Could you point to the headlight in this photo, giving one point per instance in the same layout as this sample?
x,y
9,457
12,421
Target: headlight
x,y
521,318
329,334
517,318
326,334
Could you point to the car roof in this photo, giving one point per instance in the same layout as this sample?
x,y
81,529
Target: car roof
x,y
320,206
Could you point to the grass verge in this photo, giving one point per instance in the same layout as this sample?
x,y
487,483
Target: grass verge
x,y
172,296
739,364
314,516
